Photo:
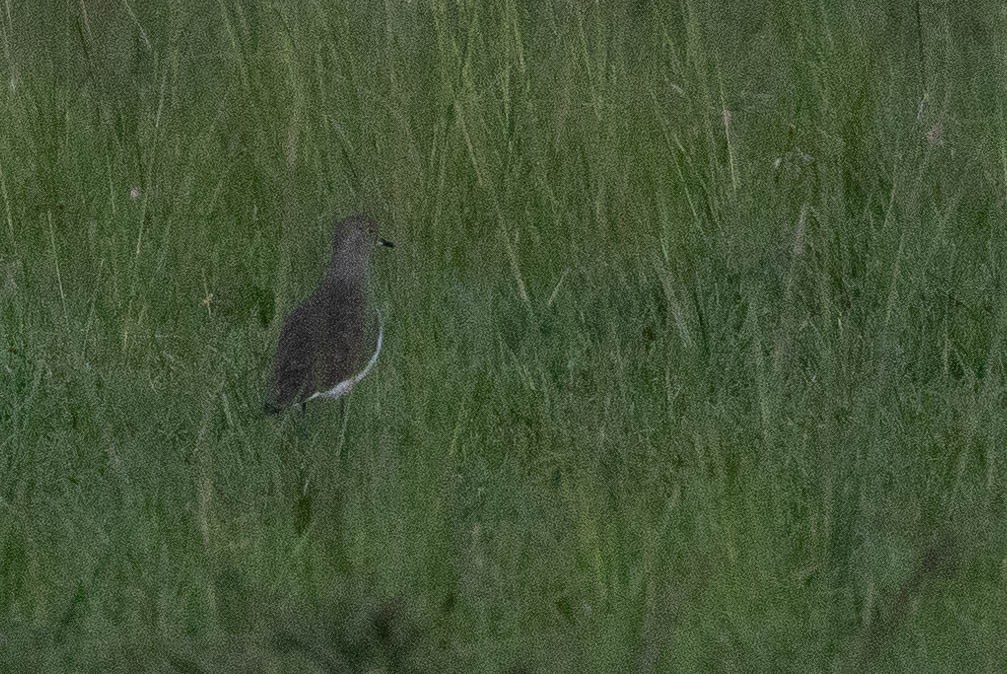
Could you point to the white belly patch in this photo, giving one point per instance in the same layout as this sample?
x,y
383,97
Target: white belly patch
x,y
344,386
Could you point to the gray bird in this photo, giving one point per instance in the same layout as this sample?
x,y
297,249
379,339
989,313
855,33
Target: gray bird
x,y
327,345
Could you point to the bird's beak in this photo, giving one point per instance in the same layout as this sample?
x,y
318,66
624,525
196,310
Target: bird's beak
x,y
386,243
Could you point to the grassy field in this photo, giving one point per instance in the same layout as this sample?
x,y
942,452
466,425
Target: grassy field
x,y
695,336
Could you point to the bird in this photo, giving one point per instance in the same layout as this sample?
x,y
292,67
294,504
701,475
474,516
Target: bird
x,y
327,342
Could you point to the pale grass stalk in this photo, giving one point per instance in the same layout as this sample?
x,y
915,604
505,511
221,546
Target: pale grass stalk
x,y
59,276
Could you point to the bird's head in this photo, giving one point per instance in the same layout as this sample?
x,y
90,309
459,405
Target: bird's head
x,y
357,233
352,241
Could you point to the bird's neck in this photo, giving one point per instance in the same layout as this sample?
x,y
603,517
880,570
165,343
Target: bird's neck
x,y
348,269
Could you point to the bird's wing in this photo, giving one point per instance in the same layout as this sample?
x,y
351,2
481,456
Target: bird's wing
x,y
295,357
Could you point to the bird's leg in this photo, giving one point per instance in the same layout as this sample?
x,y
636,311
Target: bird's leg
x,y
302,503
342,428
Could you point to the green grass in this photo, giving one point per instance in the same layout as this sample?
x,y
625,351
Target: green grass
x,y
665,389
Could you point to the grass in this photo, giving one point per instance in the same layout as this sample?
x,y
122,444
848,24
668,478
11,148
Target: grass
x,y
695,344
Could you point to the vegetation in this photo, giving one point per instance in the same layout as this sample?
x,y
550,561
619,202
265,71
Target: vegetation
x,y
694,349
